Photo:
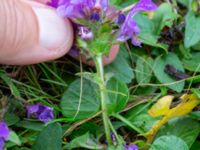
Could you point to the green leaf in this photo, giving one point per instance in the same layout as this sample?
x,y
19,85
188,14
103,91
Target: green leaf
x,y
192,64
143,69
196,91
163,16
13,137
118,95
50,138
147,34
143,121
169,143
80,100
100,45
181,127
84,141
195,115
11,118
121,69
195,146
185,2
192,30
36,126
8,81
164,78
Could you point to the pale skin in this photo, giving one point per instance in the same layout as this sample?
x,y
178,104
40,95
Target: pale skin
x,y
31,32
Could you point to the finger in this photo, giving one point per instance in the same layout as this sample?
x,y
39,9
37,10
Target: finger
x,y
31,33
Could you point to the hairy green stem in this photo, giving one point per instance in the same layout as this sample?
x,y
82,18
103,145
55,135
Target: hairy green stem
x,y
103,97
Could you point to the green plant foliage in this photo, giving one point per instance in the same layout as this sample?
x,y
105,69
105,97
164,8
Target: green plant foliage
x,y
11,85
164,16
121,69
147,34
50,138
118,95
192,64
11,119
143,69
169,143
84,141
192,30
31,125
107,107
14,138
76,106
181,128
163,77
195,146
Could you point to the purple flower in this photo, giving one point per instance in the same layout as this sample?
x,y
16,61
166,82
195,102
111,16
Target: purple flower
x,y
103,4
121,18
130,147
81,9
53,3
85,33
130,29
74,52
144,5
41,112
4,134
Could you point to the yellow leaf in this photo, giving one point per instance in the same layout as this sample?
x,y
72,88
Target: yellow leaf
x,y
189,101
161,107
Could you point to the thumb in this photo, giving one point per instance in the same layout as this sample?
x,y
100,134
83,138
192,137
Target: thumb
x,y
31,33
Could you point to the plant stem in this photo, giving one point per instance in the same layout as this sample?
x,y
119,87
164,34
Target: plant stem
x,y
103,97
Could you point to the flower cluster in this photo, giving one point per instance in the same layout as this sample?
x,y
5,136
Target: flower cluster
x,y
86,12
40,112
4,134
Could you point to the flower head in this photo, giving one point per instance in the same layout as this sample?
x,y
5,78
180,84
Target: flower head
x,y
82,9
96,17
4,134
41,112
130,29
130,147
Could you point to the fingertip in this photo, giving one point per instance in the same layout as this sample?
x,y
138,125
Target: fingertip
x,y
55,33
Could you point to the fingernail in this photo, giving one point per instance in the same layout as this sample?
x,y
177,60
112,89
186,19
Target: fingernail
x,y
54,31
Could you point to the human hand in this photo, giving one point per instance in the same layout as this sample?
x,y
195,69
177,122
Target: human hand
x,y
31,32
